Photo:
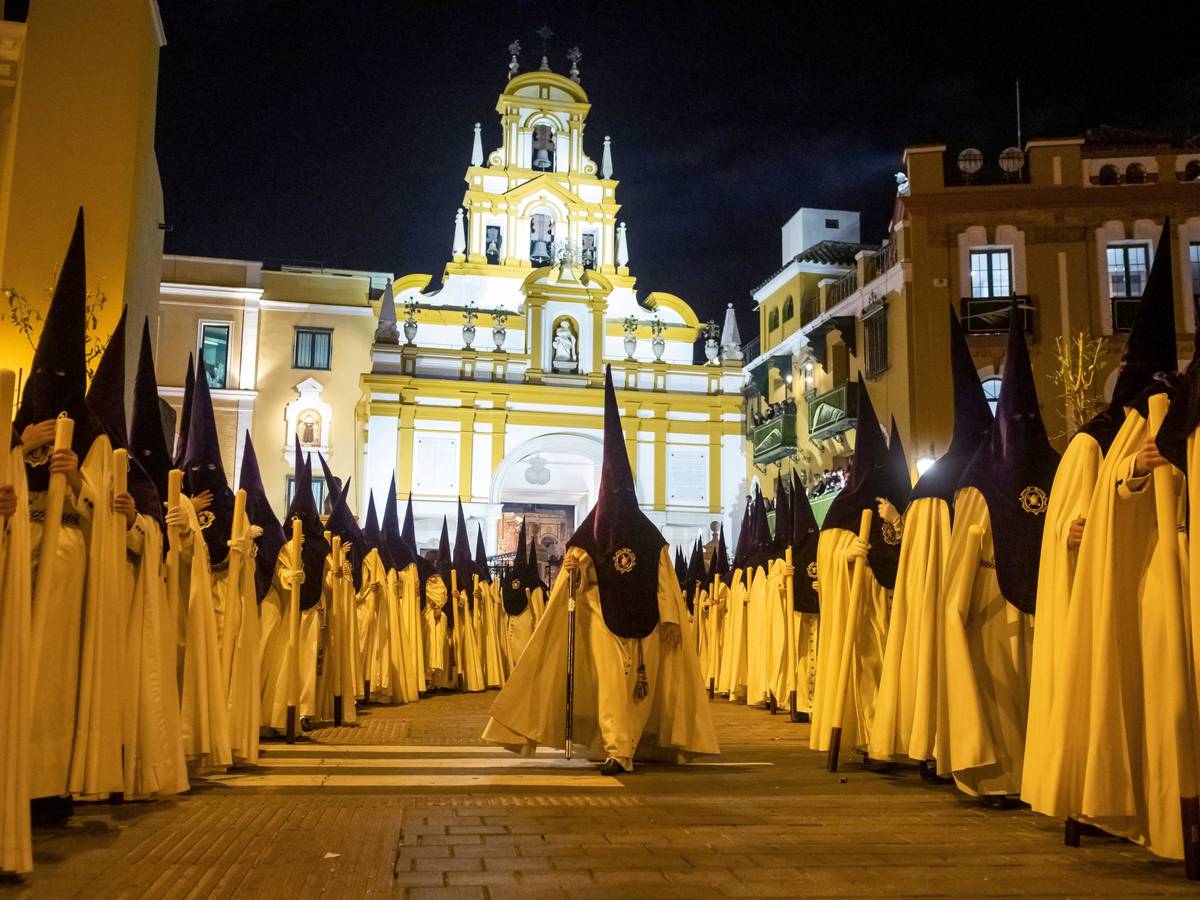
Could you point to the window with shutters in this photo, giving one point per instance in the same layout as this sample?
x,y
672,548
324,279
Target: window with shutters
x,y
313,348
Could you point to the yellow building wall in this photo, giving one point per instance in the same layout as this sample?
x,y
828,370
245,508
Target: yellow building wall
x,y
83,135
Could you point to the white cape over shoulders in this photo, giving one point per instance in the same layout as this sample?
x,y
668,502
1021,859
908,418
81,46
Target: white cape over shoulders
x,y
671,723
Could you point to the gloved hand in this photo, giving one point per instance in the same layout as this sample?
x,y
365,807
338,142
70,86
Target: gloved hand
x,y
254,532
787,569
670,634
887,511
177,518
243,545
857,550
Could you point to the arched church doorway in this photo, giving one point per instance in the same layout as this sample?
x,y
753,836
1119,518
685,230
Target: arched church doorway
x,y
549,484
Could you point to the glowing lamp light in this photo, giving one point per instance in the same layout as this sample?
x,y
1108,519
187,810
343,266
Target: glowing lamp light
x,y
925,463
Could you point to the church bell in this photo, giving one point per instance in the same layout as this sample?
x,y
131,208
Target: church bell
x,y
541,159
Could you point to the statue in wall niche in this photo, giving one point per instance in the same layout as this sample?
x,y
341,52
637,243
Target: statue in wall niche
x,y
308,429
565,358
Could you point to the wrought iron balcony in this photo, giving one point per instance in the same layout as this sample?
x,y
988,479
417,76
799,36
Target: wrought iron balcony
x,y
774,439
990,315
833,412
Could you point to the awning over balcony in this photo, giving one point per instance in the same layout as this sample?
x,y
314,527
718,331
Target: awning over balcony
x,y
774,439
833,412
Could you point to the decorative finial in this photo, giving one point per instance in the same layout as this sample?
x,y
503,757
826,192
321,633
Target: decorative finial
x,y
606,166
574,55
545,34
513,66
477,148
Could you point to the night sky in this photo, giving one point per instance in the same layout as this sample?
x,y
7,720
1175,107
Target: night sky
x,y
339,133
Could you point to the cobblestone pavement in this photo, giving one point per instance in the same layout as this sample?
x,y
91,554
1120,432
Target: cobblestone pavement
x,y
408,805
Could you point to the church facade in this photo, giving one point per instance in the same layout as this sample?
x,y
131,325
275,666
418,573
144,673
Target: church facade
x,y
482,383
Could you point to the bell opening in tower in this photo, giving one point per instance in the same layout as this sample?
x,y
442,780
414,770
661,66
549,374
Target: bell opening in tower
x,y
493,243
543,148
541,236
588,250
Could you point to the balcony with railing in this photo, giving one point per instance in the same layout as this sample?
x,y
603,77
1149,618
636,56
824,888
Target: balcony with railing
x,y
833,411
991,315
774,438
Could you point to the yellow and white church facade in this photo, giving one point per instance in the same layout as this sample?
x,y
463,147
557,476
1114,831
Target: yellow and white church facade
x,y
483,384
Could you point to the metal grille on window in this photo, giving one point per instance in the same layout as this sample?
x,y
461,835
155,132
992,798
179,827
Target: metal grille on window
x,y
875,333
313,348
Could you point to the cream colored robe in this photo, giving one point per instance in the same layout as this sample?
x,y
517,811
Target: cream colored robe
x,y
672,723
439,671
205,697
468,635
866,647
339,644
275,641
733,659
759,637
1127,665
16,632
1070,497
906,709
154,761
989,650
492,610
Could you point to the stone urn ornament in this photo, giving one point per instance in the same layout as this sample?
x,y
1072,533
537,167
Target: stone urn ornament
x,y
712,342
468,329
630,325
658,343
499,331
410,321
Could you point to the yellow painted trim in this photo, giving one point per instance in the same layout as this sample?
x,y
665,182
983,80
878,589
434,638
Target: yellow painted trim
x,y
404,450
670,301
534,77
714,474
685,333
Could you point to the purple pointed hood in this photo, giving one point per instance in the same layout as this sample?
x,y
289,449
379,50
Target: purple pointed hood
x,y
623,543
260,513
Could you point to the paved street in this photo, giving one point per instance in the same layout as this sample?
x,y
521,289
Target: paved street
x,y
409,804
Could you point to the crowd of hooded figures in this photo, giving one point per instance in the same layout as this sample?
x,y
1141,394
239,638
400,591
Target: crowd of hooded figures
x,y
1020,624
1016,622
155,624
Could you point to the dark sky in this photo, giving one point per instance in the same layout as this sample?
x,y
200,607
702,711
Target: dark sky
x,y
340,132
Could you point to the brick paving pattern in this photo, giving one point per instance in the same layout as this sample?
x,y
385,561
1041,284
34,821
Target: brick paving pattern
x,y
767,822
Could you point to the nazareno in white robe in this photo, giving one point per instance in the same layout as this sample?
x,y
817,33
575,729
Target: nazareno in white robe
x,y
732,681
989,650
241,656
204,708
62,692
16,630
834,574
905,725
154,759
1070,497
1123,773
671,723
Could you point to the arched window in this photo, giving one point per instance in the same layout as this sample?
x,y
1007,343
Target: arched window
x,y
773,320
1135,173
1191,172
541,237
991,390
789,309
1109,175
493,243
543,148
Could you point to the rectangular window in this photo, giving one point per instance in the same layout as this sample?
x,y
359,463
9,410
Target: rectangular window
x,y
318,488
313,349
214,353
832,223
875,333
991,273
1128,266
1194,263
